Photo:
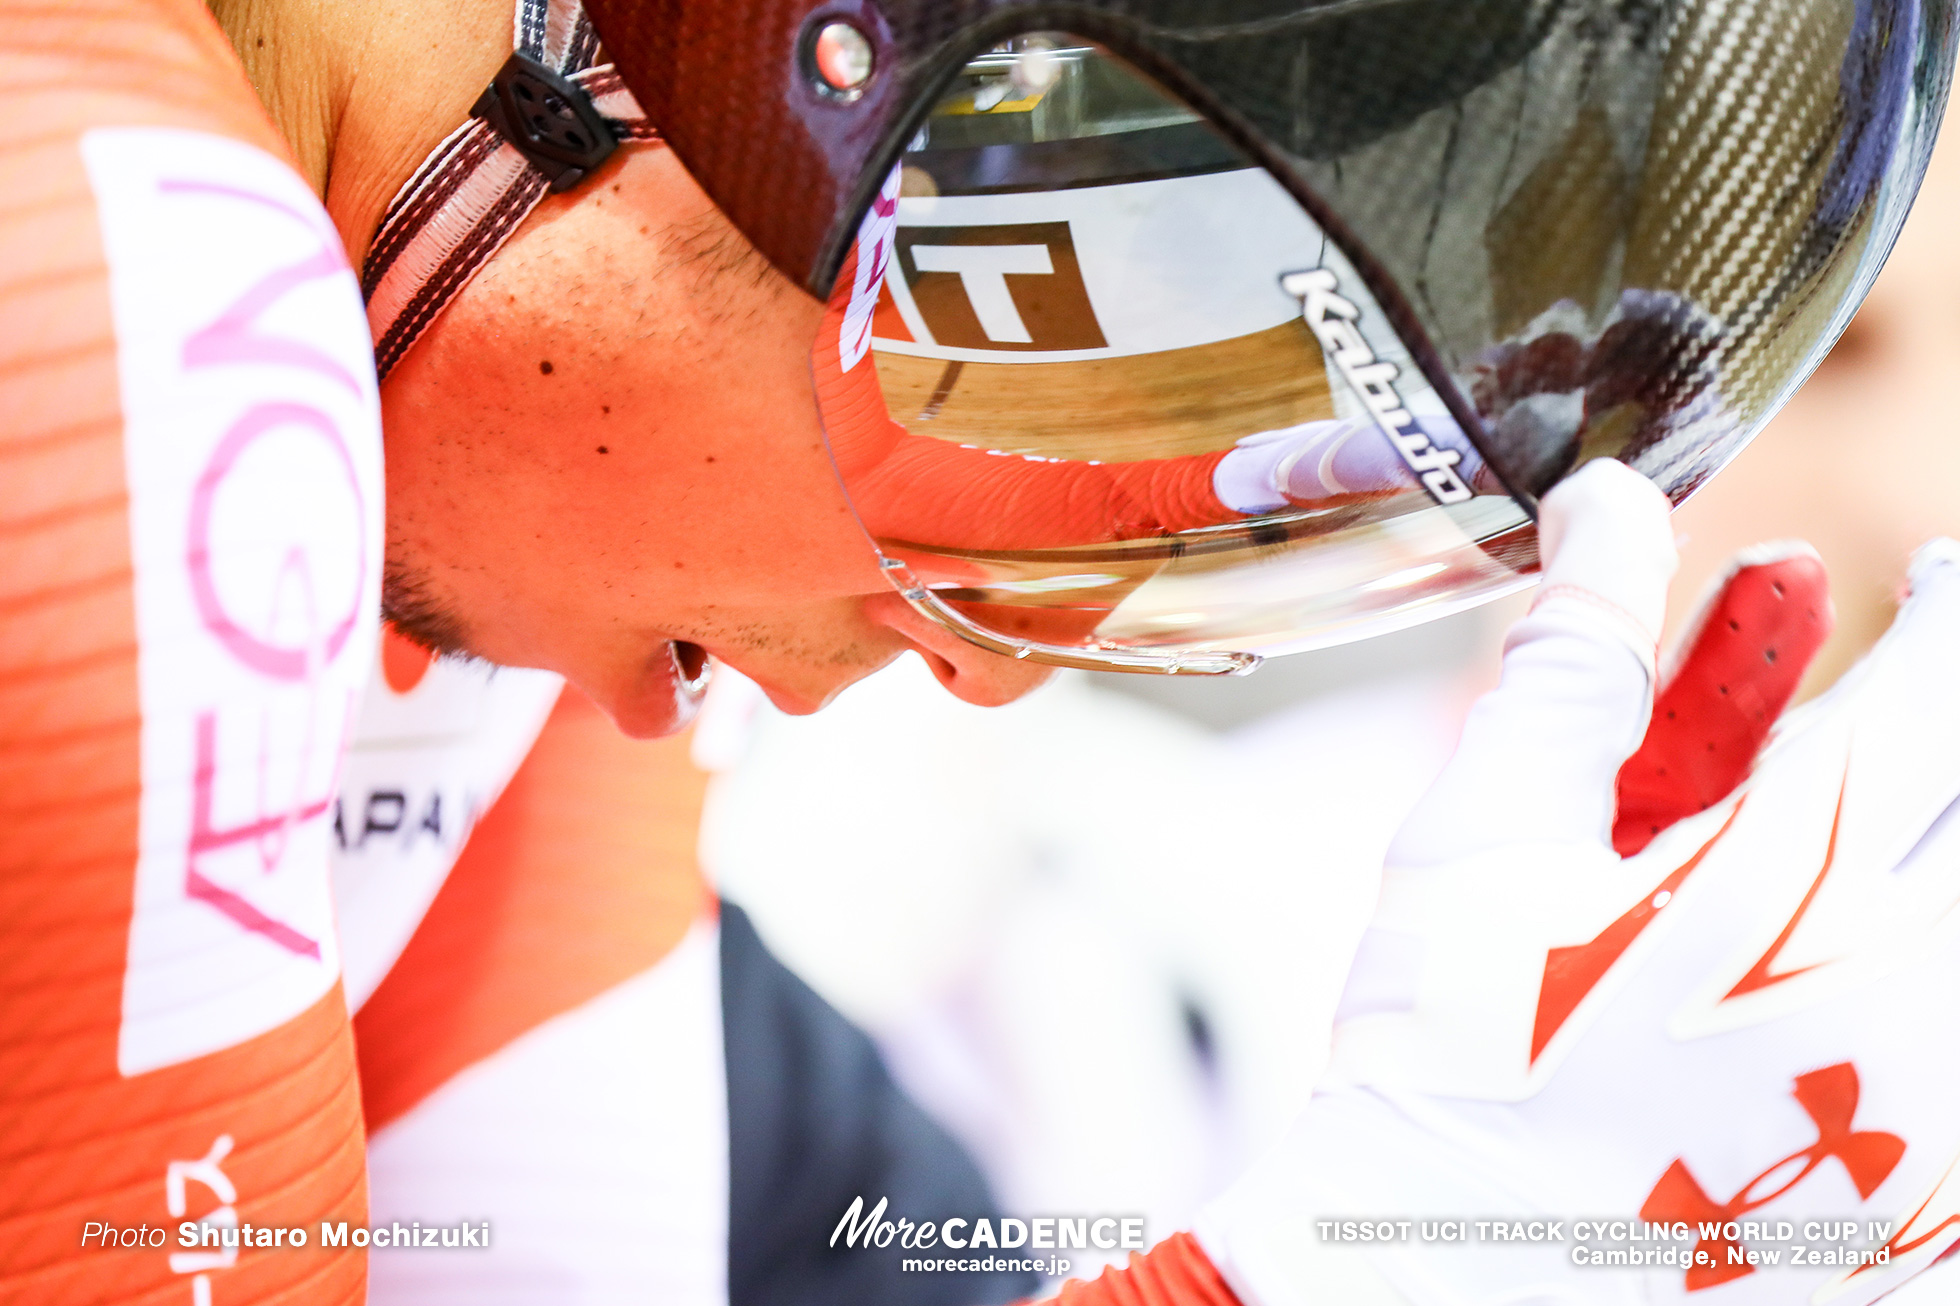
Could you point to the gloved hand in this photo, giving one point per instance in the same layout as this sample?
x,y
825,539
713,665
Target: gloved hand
x,y
1333,460
1750,1019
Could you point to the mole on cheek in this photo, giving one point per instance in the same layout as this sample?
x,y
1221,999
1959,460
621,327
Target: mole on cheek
x,y
545,367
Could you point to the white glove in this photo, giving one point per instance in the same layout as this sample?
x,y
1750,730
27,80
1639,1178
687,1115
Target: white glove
x,y
1332,459
1752,1019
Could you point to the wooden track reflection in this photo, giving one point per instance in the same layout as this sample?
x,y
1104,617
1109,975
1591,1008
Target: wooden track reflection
x,y
1161,405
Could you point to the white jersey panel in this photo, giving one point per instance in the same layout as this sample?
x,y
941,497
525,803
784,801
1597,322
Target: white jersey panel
x,y
253,449
424,764
596,1145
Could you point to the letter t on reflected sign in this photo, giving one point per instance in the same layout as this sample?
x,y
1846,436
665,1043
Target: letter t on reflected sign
x,y
983,271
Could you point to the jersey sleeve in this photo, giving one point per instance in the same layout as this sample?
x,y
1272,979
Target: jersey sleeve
x,y
933,492
174,1049
1176,1272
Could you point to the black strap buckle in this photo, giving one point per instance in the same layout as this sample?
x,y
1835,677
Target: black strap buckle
x,y
549,118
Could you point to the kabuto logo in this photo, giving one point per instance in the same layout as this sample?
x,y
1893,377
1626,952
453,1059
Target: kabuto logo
x,y
1016,286
1830,1098
1332,320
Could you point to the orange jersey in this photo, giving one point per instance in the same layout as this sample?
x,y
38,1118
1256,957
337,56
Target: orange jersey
x,y
575,1047
1176,1272
189,560
544,1054
927,491
579,877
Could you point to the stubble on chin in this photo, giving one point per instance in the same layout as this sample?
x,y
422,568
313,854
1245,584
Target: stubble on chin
x,y
410,604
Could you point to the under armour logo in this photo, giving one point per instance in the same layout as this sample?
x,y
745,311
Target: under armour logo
x,y
1830,1097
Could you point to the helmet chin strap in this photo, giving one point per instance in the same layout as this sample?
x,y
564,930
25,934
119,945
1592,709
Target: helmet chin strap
x,y
551,116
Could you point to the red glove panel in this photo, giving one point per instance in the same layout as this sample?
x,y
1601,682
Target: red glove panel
x,y
1736,669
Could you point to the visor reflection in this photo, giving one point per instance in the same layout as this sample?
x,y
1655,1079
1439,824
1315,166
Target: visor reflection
x,y
1137,399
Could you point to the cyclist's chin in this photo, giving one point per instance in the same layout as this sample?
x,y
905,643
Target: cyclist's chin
x,y
664,696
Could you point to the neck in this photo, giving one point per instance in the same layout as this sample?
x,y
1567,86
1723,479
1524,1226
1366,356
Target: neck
x,y
362,92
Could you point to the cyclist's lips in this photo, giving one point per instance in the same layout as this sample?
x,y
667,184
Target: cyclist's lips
x,y
692,660
668,692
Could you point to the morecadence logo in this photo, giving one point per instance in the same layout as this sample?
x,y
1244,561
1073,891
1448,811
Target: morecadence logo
x,y
980,1238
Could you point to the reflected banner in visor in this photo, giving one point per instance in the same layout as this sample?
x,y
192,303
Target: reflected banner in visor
x,y
1017,286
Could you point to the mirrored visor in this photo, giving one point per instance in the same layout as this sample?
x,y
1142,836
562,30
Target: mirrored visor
x,y
1097,385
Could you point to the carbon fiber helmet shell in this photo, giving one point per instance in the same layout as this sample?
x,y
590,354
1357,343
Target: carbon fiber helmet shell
x,y
1672,206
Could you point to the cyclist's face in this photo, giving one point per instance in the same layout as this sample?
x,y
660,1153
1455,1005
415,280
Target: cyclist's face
x,y
609,444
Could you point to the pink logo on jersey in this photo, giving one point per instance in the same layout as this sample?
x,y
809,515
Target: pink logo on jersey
x,y
251,437
235,338
874,256
1830,1097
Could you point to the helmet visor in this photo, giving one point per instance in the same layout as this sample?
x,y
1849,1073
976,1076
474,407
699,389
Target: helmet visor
x,y
1102,390
1110,379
